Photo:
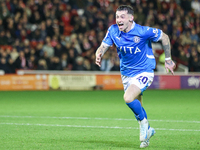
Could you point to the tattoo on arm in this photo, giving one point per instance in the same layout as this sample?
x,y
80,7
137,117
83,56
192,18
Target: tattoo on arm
x,y
169,62
166,45
102,49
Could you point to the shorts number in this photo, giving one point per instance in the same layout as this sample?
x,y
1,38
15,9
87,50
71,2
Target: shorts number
x,y
143,79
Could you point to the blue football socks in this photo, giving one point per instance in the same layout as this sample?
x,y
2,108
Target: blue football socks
x,y
137,109
145,114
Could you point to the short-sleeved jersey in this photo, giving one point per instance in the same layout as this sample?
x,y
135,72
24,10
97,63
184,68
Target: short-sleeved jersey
x,y
134,48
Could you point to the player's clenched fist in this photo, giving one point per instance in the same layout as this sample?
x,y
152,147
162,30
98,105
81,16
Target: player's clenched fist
x,y
98,59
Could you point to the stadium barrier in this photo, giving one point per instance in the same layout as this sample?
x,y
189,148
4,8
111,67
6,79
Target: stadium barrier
x,y
80,80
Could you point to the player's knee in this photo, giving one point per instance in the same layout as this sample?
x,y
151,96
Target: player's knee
x,y
127,98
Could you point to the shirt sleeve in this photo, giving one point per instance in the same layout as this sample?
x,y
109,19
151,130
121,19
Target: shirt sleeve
x,y
107,39
153,34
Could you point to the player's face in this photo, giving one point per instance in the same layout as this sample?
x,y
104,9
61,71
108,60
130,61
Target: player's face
x,y
124,20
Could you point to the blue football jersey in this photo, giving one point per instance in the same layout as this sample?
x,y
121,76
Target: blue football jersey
x,y
134,48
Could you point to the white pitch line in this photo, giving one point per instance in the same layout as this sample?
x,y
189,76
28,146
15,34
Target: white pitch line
x,y
89,118
80,126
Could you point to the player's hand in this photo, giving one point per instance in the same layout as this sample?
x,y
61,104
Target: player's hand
x,y
98,59
170,65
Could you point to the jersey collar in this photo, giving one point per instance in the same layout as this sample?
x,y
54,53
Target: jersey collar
x,y
133,25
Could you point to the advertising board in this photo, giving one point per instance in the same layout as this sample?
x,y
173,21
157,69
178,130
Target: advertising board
x,y
23,82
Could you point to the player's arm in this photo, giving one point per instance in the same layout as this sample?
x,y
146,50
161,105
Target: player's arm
x,y
169,64
100,52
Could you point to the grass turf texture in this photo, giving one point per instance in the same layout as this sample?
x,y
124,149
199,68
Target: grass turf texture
x,y
100,120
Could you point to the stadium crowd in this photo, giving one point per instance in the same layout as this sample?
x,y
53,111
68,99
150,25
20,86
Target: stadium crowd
x,y
64,34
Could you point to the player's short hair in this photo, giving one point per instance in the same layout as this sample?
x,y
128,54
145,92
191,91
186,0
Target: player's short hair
x,y
126,7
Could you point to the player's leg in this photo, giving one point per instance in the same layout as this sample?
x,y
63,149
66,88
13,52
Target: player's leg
x,y
145,115
134,87
140,99
151,130
134,104
132,98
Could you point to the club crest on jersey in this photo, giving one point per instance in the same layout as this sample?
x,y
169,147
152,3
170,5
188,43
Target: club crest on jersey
x,y
136,39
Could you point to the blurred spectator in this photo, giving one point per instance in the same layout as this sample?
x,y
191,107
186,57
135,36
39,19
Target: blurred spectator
x,y
85,45
64,61
198,50
38,51
37,35
11,65
54,41
140,16
191,62
116,66
9,39
26,53
55,64
59,49
47,60
79,65
4,11
49,27
35,18
75,44
196,64
194,36
87,65
63,40
10,27
59,11
106,63
42,65
1,25
4,66
186,38
14,54
43,31
83,27
48,47
186,5
66,18
5,54
3,39
32,62
183,56
40,6
21,62
196,6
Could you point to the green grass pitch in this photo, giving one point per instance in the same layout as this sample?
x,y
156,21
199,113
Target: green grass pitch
x,y
99,120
